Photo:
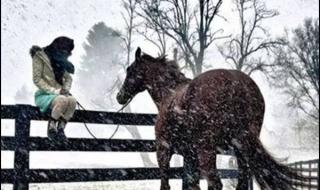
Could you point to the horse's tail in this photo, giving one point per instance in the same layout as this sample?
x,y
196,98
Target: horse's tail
x,y
268,173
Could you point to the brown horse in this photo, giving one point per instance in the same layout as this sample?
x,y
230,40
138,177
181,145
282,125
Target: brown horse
x,y
218,110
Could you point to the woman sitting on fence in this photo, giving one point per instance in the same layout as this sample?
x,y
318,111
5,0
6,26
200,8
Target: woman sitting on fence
x,y
51,74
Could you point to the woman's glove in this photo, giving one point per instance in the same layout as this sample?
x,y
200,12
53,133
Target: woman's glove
x,y
64,92
61,91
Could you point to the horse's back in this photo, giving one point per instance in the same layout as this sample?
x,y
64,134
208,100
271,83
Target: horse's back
x,y
223,77
225,98
225,82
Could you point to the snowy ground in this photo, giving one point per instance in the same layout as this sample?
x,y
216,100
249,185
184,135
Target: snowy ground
x,y
128,185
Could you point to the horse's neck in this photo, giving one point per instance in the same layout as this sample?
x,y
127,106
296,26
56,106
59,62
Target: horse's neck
x,y
162,90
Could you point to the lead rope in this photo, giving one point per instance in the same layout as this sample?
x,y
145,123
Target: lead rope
x,y
117,128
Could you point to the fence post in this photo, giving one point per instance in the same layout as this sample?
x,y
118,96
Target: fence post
x,y
296,167
318,175
21,153
251,183
310,174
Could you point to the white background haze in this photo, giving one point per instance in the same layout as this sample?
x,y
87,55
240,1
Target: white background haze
x,y
25,23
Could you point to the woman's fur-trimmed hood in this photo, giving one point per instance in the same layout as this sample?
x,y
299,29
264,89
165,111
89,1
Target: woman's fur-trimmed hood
x,y
34,49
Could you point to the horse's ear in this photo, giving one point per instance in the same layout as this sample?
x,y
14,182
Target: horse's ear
x,y
138,53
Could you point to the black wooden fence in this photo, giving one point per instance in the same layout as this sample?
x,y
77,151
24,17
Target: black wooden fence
x,y
22,144
21,175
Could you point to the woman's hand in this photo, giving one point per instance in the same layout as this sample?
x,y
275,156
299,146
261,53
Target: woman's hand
x,y
64,92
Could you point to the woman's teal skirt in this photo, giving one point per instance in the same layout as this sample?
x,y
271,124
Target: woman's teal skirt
x,y
44,99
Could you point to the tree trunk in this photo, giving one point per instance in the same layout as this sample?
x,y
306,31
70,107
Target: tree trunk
x,y
199,63
175,55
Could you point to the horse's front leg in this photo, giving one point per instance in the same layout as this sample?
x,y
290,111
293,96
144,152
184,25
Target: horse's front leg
x,y
164,155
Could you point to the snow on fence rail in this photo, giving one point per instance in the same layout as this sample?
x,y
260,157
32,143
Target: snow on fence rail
x,y
21,175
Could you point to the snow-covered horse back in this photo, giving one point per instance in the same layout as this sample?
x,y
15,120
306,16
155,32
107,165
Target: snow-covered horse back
x,y
218,110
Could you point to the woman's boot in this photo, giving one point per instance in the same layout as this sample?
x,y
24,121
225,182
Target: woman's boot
x,y
52,129
61,126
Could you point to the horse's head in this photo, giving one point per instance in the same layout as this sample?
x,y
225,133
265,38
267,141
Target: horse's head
x,y
135,80
157,75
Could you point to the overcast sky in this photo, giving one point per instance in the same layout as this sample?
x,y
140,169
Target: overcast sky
x,y
27,22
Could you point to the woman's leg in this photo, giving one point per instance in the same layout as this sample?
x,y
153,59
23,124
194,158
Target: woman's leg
x,y
72,102
70,107
59,106
63,107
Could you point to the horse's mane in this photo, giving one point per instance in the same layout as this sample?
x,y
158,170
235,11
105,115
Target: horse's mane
x,y
163,60
171,65
152,59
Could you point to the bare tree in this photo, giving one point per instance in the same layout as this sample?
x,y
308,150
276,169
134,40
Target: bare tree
x,y
243,51
102,59
307,132
188,26
128,17
297,68
152,33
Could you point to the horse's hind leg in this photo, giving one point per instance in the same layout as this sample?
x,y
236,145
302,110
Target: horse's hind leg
x,y
163,156
214,182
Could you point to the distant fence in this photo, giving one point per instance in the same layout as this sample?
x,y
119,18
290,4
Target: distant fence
x,y
308,168
21,175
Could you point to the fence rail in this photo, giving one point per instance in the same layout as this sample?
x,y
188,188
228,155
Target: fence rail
x,y
21,175
22,144
310,169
